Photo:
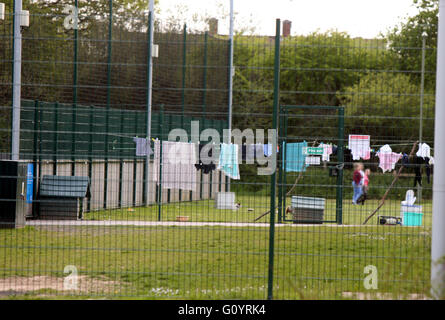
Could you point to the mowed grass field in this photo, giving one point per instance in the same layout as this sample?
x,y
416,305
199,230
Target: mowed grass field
x,y
218,262
252,207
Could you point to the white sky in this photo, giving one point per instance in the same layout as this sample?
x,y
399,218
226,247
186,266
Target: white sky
x,y
360,18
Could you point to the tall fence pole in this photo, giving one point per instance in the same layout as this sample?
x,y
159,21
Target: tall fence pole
x,y
149,96
422,86
340,166
184,69
231,65
75,73
231,27
273,179
107,111
17,81
204,77
438,234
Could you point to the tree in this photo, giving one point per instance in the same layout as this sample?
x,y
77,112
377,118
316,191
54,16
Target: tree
x,y
386,105
405,40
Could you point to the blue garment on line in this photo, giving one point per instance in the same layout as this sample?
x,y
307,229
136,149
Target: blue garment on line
x,y
228,160
268,150
295,160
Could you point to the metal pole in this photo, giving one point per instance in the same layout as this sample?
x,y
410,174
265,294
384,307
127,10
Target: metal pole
x,y
75,72
56,137
107,111
161,132
280,157
422,86
230,81
230,65
438,227
340,165
184,69
149,96
204,77
184,62
90,150
273,179
17,81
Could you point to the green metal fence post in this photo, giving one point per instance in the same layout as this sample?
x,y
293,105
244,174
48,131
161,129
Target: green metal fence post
x,y
35,138
56,136
161,138
73,134
90,152
35,152
40,143
107,112
340,160
273,179
204,76
283,159
135,160
121,160
184,69
279,162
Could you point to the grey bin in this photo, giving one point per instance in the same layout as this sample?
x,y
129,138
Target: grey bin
x,y
61,197
16,193
307,209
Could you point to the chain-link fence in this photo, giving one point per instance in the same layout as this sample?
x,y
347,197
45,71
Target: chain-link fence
x,y
312,198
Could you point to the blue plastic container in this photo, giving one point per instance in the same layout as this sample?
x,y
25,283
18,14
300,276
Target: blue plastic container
x,y
413,219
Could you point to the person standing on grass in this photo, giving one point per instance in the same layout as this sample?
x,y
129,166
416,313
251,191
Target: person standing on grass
x,y
365,187
357,182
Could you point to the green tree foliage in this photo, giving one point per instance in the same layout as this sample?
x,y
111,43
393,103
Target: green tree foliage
x,y
48,52
314,69
405,40
387,105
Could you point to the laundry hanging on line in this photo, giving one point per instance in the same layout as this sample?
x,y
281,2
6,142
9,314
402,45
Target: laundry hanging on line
x,y
424,151
360,146
295,160
228,160
142,147
178,165
327,151
206,163
387,158
268,149
418,163
250,152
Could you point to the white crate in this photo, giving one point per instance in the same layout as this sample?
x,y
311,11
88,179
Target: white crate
x,y
225,200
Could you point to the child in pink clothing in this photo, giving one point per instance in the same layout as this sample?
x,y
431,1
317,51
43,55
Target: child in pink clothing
x,y
365,187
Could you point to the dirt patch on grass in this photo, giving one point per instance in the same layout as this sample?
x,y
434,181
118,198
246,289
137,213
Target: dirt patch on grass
x,y
84,285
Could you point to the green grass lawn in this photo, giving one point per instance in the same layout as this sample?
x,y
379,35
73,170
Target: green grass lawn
x,y
311,262
252,206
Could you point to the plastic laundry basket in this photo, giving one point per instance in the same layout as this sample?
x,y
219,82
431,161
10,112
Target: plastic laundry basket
x,y
412,219
411,215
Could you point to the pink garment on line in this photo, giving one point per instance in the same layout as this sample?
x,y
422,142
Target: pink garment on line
x,y
388,160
